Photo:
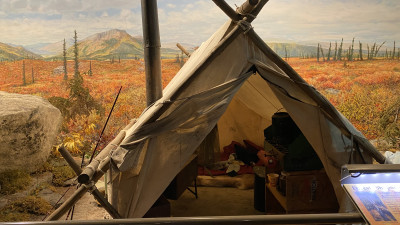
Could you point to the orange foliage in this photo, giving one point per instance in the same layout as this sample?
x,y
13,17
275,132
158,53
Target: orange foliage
x,y
360,89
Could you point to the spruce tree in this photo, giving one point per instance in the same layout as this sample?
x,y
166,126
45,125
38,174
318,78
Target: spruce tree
x,y
76,60
33,78
329,52
23,73
65,60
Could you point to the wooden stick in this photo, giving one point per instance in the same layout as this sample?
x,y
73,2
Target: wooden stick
x,y
183,49
77,169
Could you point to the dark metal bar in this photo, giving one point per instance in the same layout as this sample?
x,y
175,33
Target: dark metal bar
x,y
105,125
327,107
152,55
328,218
183,49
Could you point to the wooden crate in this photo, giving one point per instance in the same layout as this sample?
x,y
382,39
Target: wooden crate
x,y
182,180
306,192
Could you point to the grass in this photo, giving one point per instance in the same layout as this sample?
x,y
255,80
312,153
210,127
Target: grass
x,y
13,181
22,209
62,174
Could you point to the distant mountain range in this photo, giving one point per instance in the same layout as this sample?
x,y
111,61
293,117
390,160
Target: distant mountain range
x,y
119,44
9,52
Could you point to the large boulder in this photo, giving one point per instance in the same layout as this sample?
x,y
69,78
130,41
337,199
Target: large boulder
x,y
28,129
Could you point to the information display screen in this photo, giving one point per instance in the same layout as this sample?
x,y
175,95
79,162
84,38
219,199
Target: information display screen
x,y
379,203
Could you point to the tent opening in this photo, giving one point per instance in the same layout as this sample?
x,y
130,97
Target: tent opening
x,y
252,129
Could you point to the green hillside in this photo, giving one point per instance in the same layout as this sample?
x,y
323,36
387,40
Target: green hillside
x,y
9,53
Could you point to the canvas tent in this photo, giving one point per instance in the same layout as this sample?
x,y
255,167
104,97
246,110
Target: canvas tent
x,y
233,80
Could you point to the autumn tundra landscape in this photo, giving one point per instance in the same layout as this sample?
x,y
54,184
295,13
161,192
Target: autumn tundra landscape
x,y
365,89
83,79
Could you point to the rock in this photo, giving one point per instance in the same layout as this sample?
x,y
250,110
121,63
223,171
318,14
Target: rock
x,y
3,202
58,70
28,128
55,199
332,91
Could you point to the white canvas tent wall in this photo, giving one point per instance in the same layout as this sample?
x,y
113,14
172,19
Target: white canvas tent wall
x,y
236,80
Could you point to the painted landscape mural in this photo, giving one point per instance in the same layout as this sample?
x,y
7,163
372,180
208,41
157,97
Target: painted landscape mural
x,y
78,54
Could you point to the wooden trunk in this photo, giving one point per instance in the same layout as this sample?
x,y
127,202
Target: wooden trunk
x,y
306,192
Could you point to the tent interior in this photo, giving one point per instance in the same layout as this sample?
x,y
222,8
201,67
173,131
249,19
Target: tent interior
x,y
231,82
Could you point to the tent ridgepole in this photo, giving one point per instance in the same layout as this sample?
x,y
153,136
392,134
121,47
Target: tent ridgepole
x,y
152,54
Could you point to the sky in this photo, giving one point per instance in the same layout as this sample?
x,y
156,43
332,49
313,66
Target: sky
x,y
26,22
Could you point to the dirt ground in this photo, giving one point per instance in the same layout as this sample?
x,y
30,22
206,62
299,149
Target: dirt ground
x,y
212,201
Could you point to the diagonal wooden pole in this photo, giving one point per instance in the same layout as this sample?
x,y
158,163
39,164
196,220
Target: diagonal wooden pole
x,y
82,190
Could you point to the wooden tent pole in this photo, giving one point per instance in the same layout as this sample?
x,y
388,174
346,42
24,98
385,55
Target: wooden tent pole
x,y
327,107
247,7
93,177
152,53
60,211
80,192
240,12
227,10
87,173
183,49
71,162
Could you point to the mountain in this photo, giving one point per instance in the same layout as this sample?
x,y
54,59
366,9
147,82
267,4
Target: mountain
x,y
106,45
8,52
48,49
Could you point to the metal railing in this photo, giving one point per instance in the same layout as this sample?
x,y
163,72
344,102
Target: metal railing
x,y
328,218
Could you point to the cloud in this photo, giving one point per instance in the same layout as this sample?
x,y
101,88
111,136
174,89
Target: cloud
x,y
33,21
172,6
327,20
